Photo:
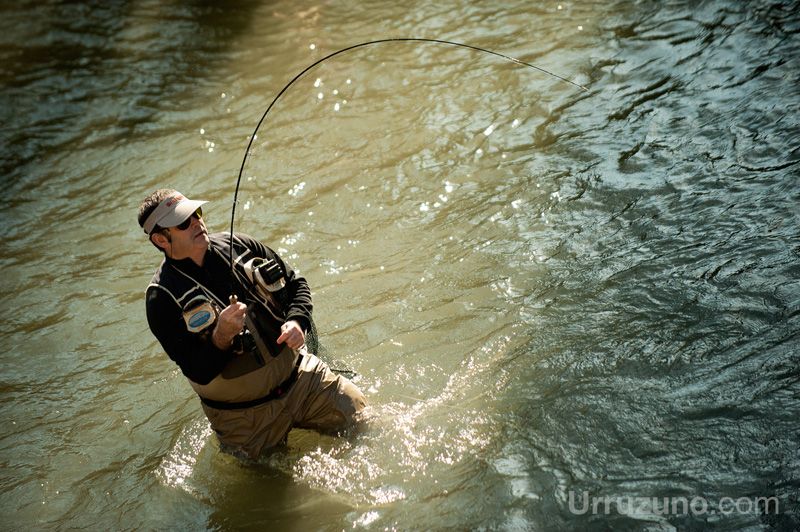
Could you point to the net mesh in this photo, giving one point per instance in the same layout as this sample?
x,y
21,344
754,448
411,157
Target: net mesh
x,y
313,345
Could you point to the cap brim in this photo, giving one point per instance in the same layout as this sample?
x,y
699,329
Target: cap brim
x,y
181,212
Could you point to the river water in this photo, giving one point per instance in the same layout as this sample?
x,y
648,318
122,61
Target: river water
x,y
570,309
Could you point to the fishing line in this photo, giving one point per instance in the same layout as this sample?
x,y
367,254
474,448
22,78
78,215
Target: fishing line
x,y
353,47
329,56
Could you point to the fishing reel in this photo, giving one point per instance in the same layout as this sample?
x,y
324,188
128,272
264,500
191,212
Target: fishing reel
x,y
244,343
268,279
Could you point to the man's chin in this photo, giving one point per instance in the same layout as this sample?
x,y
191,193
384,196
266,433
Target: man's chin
x,y
202,237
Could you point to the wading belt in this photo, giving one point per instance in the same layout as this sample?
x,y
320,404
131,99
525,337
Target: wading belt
x,y
276,393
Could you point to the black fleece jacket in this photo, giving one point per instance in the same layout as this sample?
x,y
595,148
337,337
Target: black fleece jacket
x,y
196,355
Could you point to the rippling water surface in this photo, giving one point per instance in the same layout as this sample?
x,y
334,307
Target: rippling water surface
x,y
547,293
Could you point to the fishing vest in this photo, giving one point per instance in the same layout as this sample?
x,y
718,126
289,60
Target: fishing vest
x,y
250,378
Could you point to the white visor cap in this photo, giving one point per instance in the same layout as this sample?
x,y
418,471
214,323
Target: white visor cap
x,y
171,211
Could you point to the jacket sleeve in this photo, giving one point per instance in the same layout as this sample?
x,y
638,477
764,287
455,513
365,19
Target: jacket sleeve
x,y
196,355
300,305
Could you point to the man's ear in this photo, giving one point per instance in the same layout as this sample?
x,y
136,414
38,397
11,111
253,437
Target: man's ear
x,y
160,240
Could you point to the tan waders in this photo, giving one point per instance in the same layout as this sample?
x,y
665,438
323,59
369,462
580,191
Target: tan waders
x,y
317,399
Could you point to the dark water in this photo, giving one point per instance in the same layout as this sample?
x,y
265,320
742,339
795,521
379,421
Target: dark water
x,y
570,309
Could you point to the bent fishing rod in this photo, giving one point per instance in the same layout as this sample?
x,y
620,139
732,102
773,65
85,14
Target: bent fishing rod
x,y
353,47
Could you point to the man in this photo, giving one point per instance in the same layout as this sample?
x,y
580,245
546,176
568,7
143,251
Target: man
x,y
239,338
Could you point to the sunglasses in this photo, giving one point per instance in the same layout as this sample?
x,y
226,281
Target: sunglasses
x,y
184,225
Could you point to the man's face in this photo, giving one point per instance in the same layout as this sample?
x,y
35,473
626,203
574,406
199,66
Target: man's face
x,y
184,243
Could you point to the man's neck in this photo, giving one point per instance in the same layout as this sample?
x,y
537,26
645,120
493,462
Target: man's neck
x,y
199,256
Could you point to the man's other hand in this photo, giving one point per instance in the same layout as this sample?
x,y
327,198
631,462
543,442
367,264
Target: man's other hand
x,y
292,334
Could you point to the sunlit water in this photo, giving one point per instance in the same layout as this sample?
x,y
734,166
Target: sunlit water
x,y
545,292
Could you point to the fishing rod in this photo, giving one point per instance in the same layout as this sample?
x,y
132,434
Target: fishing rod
x,y
353,47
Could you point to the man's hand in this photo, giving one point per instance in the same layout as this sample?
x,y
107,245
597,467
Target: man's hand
x,y
229,323
292,334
